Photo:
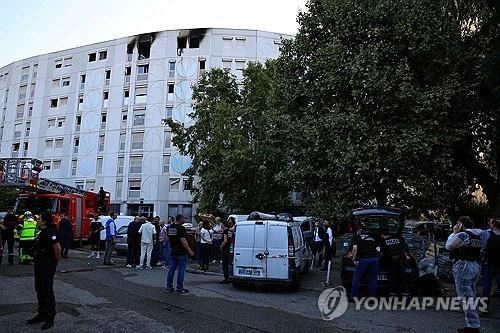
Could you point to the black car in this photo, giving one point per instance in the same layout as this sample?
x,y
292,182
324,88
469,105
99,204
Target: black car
x,y
376,219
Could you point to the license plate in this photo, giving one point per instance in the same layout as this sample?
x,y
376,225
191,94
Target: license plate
x,y
249,272
382,277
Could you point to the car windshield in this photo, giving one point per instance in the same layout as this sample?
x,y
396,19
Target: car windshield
x,y
122,230
375,223
36,205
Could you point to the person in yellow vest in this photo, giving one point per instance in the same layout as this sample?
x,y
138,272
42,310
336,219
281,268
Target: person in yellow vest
x,y
27,233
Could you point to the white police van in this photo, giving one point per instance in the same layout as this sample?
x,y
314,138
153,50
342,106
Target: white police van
x,y
269,249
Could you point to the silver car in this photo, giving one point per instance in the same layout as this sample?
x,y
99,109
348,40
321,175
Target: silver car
x,y
121,246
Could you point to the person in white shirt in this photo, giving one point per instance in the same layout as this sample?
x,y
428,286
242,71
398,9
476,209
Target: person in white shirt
x,y
217,239
206,245
148,232
329,245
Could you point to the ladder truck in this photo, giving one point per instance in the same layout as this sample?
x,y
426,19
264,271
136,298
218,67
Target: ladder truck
x,y
39,195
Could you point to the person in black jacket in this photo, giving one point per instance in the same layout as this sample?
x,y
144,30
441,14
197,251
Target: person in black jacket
x,y
131,244
10,223
65,232
46,255
396,253
319,237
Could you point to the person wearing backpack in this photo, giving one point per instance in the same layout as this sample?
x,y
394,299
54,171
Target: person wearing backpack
x,y
491,260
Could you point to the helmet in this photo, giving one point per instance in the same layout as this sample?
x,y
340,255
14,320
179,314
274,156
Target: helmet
x,y
27,214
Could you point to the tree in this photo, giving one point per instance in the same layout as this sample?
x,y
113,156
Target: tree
x,y
7,197
232,143
372,88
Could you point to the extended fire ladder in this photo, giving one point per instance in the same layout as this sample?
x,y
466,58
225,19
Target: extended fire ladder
x,y
23,173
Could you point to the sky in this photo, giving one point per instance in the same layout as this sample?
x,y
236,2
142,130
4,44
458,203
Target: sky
x,y
33,27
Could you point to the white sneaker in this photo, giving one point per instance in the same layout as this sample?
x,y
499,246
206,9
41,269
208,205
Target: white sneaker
x,y
149,267
140,267
128,266
97,256
90,255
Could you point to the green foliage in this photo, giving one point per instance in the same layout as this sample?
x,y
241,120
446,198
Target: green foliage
x,y
375,90
233,143
7,197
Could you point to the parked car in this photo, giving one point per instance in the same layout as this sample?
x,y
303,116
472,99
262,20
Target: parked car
x,y
376,219
269,249
121,220
121,246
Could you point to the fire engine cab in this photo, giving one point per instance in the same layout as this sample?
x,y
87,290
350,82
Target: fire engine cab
x,y
39,195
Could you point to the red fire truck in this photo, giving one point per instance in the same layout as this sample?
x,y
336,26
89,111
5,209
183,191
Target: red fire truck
x,y
38,195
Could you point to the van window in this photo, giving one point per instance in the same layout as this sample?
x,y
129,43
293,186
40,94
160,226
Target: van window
x,y
244,236
306,226
278,237
296,238
300,238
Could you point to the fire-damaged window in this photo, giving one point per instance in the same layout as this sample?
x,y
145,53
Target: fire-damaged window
x,y
144,49
194,42
181,42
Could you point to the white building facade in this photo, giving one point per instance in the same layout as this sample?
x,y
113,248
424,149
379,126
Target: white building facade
x,y
93,114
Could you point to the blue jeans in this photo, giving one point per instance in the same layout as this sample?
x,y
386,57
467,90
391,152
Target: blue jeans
x,y
167,253
466,275
110,245
365,264
488,276
179,263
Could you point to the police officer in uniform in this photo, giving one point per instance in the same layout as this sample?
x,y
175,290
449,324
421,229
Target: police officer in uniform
x,y
365,255
491,260
10,223
466,244
46,254
227,239
395,252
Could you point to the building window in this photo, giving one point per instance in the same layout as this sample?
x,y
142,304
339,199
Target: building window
x,y
77,145
53,103
103,120
226,64
79,184
194,42
240,42
82,81
203,64
78,123
99,165
58,63
240,65
26,147
101,142
92,57
49,143
30,109
168,111
56,164
121,163
134,189
122,141
32,92
105,99
171,68
18,128
126,96
35,71
124,119
166,163
68,61
103,55
118,189
20,111
175,184
107,76
25,73
90,185
142,72
141,94
61,121
22,91
51,123
137,140
28,128
56,83
63,101
168,135
80,102
170,88
135,164
65,81
73,167
46,165
188,184
181,42
58,143
227,42
139,117
128,72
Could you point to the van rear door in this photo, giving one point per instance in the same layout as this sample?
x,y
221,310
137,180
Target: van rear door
x,y
277,246
249,250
